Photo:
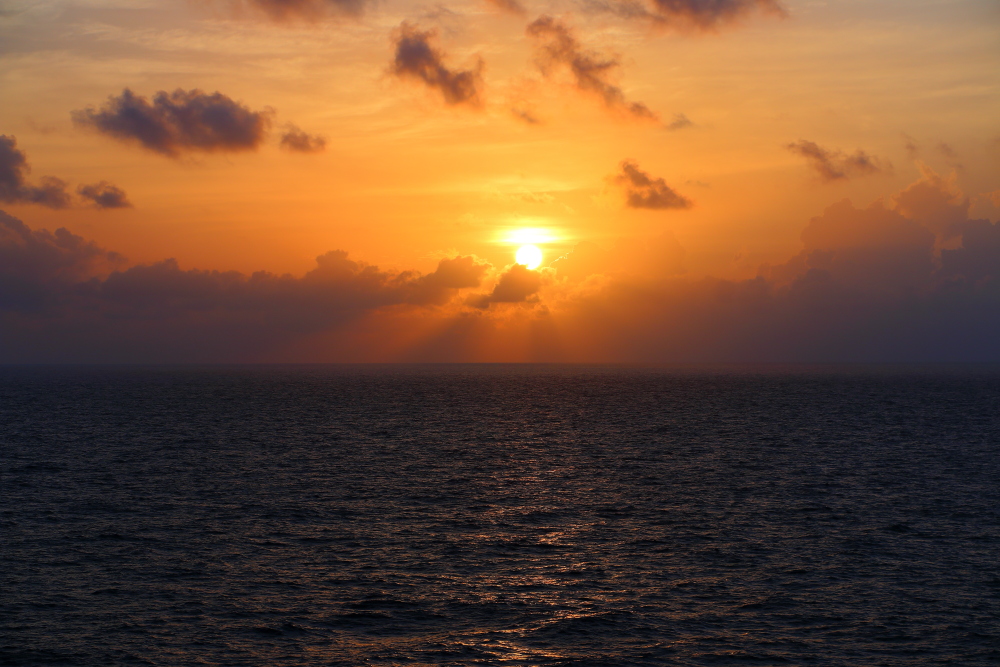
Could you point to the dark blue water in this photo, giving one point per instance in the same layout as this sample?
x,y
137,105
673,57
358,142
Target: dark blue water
x,y
512,515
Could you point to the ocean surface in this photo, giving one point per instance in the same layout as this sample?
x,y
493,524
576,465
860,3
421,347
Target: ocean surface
x,y
500,515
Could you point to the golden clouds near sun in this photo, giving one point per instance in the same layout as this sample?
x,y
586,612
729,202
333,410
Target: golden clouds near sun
x,y
529,255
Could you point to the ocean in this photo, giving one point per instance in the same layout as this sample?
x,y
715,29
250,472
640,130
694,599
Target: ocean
x,y
500,515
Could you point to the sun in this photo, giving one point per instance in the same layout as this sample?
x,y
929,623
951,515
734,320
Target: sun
x,y
529,255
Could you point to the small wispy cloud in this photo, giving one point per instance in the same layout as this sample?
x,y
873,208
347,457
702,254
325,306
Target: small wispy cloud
x,y
644,191
416,58
592,72
835,165
509,6
298,141
311,10
104,195
704,15
679,122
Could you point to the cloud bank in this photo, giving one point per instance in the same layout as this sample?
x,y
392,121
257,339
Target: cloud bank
x,y
880,283
592,73
911,278
417,59
179,122
50,282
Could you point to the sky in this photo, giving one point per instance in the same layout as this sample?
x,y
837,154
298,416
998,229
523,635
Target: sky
x,y
351,180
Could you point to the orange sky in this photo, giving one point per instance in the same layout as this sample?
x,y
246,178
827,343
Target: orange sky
x,y
445,127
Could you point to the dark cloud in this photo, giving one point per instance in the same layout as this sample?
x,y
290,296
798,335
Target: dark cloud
x,y
85,301
417,59
709,14
450,275
50,192
833,165
179,122
876,251
517,285
977,261
104,195
871,283
283,10
14,188
297,141
40,268
591,72
509,6
688,14
642,191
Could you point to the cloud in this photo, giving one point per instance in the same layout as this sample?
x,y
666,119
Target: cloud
x,y
832,165
947,150
297,141
14,188
992,197
707,15
416,58
450,275
526,116
935,202
869,283
86,298
283,10
642,191
872,251
509,6
179,122
41,268
517,285
885,303
977,261
104,195
51,193
679,122
591,72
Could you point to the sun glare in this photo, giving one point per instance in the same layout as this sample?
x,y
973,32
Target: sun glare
x,y
529,255
529,236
